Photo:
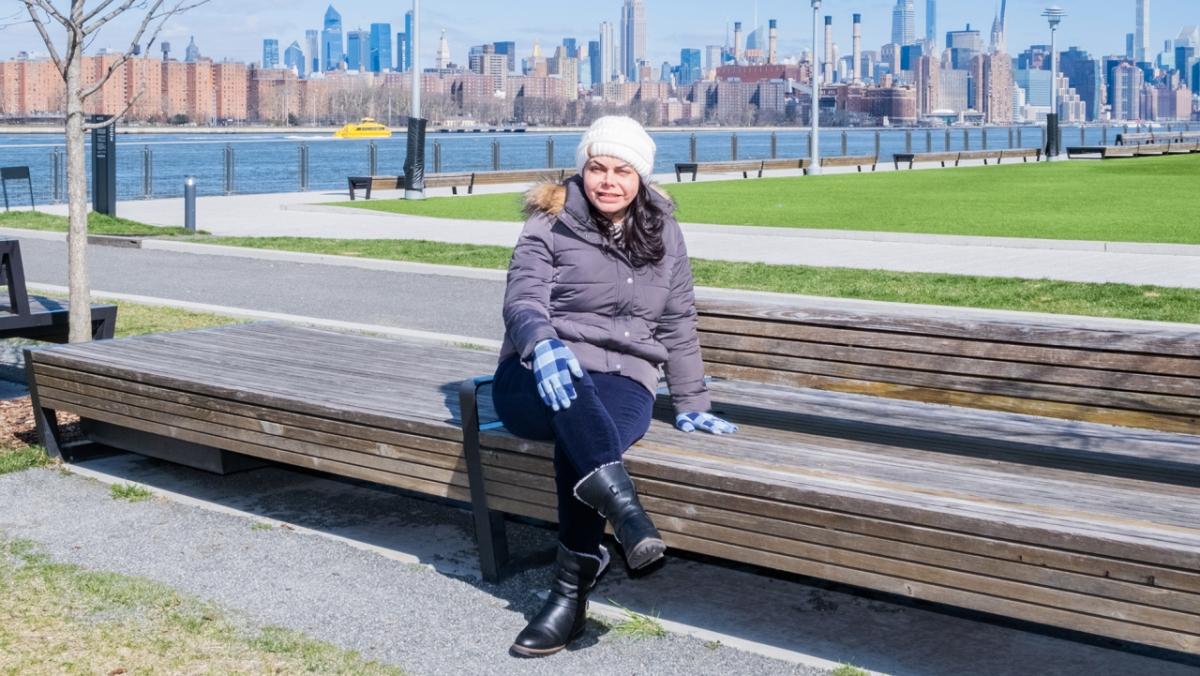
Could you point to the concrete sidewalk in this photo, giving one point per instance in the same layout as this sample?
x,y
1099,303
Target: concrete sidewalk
x,y
308,215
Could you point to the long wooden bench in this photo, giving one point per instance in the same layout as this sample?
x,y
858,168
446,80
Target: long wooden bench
x,y
516,176
897,448
958,156
38,318
1038,467
743,167
456,180
859,161
1105,152
985,155
1157,137
913,158
1022,154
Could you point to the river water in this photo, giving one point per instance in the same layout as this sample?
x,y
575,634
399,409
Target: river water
x,y
150,165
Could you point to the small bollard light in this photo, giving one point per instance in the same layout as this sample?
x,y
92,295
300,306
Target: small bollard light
x,y
189,203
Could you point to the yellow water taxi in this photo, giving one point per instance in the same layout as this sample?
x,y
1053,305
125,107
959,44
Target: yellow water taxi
x,y
367,128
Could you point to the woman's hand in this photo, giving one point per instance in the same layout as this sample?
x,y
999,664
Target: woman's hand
x,y
690,422
553,366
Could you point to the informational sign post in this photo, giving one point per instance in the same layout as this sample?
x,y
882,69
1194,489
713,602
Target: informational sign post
x,y
104,166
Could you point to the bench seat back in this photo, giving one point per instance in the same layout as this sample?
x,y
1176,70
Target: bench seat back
x,y
1134,374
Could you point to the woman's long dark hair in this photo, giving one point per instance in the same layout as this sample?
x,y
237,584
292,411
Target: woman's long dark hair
x,y
641,234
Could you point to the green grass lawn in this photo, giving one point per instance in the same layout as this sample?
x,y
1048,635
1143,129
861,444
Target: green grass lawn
x,y
1099,300
98,224
1147,199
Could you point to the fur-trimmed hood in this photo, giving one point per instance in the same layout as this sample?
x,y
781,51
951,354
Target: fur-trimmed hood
x,y
550,197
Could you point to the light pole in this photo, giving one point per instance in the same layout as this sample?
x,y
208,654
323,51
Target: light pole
x,y
414,162
1055,16
815,114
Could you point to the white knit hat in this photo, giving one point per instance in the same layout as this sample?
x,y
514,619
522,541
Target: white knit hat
x,y
620,137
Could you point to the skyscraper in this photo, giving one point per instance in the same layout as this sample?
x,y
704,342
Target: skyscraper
x,y
270,53
192,53
408,30
294,58
443,53
358,50
402,63
607,49
381,47
1086,77
509,49
312,45
690,69
332,49
633,38
903,22
931,23
1141,40
572,46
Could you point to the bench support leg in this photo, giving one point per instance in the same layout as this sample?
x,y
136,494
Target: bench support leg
x,y
46,422
490,535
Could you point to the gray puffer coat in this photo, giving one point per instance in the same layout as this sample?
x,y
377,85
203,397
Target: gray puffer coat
x,y
567,281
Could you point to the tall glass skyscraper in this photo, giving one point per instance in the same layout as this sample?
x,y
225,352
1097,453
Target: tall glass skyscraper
x,y
690,67
332,49
931,23
312,46
904,22
270,54
633,38
408,30
294,58
594,60
358,50
1141,39
381,47
509,49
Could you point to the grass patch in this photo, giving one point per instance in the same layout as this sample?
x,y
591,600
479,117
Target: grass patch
x,y
98,224
57,618
1148,199
1001,293
130,492
636,625
21,459
258,527
848,670
135,319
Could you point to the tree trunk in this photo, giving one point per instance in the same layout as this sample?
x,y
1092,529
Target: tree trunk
x,y
77,208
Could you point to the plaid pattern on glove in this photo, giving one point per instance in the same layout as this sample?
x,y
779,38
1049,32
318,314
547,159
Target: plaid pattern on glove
x,y
553,366
690,422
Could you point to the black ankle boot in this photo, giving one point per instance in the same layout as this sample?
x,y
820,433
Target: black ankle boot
x,y
564,616
609,490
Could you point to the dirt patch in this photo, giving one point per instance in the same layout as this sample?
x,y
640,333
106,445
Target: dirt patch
x,y
17,427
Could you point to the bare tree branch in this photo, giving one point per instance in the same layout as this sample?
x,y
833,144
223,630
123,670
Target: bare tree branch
x,y
48,8
36,18
102,6
146,20
89,126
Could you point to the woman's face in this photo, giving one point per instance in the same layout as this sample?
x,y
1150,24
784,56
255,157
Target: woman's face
x,y
610,185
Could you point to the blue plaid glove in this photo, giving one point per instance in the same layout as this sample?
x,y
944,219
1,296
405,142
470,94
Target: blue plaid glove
x,y
553,366
690,422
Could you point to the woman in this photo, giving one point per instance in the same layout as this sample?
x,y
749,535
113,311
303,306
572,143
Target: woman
x,y
599,297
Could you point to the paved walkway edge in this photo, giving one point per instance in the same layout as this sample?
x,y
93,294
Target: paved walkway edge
x,y
390,331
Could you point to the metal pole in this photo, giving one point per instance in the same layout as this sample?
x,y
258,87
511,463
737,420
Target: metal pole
x,y
815,140
1082,135
550,152
1104,135
495,155
928,140
878,143
147,177
845,144
966,139
774,145
437,157
372,158
908,140
985,138
414,189
302,151
228,170
692,147
1010,137
189,203
1020,139
733,146
947,148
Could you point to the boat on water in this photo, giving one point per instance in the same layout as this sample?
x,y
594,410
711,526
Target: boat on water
x,y
366,128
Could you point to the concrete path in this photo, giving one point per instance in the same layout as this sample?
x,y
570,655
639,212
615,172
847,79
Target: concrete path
x,y
307,215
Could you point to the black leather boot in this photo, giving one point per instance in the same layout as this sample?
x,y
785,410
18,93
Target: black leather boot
x,y
609,490
564,616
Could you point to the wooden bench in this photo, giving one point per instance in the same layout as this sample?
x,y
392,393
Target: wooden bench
x,y
1157,137
743,167
38,318
454,181
1020,153
985,155
785,164
1183,147
913,158
859,161
1105,152
970,458
960,457
1151,149
516,176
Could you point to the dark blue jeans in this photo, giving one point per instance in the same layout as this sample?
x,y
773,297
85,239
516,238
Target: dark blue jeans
x,y
609,415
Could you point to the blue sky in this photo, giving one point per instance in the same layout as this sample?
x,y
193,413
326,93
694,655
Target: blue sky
x,y
228,29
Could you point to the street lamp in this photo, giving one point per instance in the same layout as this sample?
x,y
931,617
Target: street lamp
x,y
414,162
1055,16
815,114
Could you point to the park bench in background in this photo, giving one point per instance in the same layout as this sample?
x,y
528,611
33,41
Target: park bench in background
x,y
1105,152
913,158
743,167
25,316
859,161
1020,153
516,176
1157,137
962,457
456,180
15,174
969,458
957,156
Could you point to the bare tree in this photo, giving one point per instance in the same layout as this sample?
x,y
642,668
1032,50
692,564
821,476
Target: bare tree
x,y
82,25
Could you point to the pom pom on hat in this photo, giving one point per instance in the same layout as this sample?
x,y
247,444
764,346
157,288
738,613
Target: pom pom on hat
x,y
620,137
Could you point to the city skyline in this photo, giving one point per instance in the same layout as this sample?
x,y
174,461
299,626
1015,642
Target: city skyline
x,y
1099,31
